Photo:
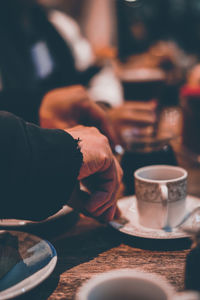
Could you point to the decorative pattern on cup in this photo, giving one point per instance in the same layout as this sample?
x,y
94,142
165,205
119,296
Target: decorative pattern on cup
x,y
150,192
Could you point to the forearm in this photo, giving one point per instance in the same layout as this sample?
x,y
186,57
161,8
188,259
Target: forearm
x,y
39,169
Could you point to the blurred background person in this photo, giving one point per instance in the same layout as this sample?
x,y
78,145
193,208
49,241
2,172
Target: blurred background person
x,y
42,50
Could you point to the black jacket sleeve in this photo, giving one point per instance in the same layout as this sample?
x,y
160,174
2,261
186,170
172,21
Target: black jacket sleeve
x,y
38,169
24,103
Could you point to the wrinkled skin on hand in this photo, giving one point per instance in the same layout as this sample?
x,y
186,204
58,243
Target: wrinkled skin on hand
x,y
100,173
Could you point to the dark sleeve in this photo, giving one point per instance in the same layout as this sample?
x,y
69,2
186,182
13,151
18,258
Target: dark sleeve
x,y
38,169
24,103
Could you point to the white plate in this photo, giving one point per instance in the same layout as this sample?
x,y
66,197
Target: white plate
x,y
129,224
24,223
36,259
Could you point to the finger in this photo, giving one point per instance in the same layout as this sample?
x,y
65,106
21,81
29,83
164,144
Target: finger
x,y
103,194
111,200
95,116
109,214
102,198
96,201
141,105
136,117
117,213
104,177
78,200
99,211
80,205
133,117
119,171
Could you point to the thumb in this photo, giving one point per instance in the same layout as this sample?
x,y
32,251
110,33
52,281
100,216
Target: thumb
x,y
98,118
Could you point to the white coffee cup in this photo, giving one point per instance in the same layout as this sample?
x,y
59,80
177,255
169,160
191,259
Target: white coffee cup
x,y
125,284
161,192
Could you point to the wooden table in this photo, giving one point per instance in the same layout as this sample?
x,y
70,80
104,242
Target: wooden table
x,y
89,248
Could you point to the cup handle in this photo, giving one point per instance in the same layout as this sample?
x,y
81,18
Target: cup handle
x,y
164,197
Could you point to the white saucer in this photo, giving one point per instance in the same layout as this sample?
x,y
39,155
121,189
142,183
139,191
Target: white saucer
x,y
34,259
129,224
24,223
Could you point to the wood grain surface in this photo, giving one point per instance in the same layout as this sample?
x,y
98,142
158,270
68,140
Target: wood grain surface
x,y
90,248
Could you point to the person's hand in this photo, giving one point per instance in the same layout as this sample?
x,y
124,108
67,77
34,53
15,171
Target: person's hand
x,y
141,115
100,173
70,106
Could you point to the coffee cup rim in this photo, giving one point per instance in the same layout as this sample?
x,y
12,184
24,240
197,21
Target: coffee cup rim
x,y
84,291
184,176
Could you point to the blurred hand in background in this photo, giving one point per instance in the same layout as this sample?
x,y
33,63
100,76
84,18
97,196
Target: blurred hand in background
x,y
70,106
138,115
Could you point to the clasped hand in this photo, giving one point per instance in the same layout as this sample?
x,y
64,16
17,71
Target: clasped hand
x,y
100,173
